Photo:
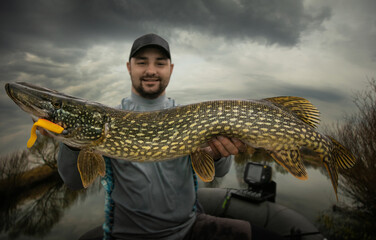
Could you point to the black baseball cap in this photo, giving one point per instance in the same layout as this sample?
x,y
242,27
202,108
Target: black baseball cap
x,y
150,39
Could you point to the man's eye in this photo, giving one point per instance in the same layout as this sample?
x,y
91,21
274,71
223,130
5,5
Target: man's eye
x,y
141,63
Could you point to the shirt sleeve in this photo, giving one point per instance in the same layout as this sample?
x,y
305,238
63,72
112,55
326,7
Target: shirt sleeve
x,y
67,167
222,166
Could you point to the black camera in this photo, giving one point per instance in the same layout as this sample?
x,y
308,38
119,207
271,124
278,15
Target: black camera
x,y
260,185
256,175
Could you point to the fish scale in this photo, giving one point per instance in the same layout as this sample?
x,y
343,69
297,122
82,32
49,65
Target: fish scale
x,y
280,125
178,131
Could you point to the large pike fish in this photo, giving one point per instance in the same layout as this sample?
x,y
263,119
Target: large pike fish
x,y
281,125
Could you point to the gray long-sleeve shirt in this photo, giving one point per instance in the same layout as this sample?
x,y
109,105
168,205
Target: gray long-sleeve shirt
x,y
153,200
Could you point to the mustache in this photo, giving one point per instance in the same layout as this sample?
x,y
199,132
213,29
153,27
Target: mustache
x,y
155,78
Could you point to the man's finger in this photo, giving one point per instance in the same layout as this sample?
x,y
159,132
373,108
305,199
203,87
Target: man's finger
x,y
220,147
228,145
215,153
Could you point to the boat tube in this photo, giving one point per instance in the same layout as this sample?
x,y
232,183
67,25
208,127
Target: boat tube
x,y
256,204
231,203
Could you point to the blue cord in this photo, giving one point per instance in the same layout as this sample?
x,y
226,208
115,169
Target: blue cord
x,y
108,184
196,186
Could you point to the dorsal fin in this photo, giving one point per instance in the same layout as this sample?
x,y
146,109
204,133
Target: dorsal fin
x,y
300,107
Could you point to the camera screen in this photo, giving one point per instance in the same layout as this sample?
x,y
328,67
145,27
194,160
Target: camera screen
x,y
254,173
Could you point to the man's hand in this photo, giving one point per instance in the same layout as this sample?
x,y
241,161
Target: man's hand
x,y
223,147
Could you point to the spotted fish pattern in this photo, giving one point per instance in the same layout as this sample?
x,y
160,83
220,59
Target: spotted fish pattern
x,y
280,125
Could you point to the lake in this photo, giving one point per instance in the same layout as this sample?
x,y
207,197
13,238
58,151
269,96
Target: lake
x,y
51,211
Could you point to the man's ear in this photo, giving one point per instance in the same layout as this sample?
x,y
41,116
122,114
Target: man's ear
x,y
172,68
129,66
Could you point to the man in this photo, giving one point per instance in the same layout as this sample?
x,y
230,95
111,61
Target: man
x,y
157,200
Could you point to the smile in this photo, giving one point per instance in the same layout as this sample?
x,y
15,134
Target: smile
x,y
150,79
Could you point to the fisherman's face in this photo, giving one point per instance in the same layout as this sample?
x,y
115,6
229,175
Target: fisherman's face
x,y
150,70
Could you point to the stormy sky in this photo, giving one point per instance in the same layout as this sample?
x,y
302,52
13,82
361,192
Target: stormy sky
x,y
222,49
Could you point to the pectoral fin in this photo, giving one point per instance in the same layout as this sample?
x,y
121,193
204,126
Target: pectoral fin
x,y
90,165
290,160
245,156
203,165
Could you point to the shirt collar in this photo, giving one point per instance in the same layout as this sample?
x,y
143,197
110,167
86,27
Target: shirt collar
x,y
147,102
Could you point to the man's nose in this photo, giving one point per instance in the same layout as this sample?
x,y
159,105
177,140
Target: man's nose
x,y
151,69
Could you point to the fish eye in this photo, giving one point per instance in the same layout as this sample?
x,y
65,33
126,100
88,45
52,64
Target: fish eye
x,y
57,104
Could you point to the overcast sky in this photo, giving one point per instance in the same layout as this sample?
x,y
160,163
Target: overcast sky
x,y
222,49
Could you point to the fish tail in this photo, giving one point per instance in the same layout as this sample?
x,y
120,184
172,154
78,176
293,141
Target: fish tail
x,y
339,157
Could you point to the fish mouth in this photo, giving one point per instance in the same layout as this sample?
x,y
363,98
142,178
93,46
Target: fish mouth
x,y
7,90
27,100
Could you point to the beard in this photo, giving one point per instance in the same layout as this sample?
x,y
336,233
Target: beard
x,y
150,94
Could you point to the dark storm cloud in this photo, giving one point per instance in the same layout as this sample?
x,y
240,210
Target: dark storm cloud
x,y
60,33
81,23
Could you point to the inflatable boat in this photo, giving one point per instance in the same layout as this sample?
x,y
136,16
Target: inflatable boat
x,y
233,203
256,204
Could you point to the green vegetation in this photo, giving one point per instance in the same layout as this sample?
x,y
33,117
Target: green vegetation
x,y
355,219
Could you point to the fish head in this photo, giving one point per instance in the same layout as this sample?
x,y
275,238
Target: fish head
x,y
84,122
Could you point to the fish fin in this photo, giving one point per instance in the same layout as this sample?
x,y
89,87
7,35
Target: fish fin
x,y
338,157
290,160
90,165
203,165
300,107
245,156
342,156
249,150
332,169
